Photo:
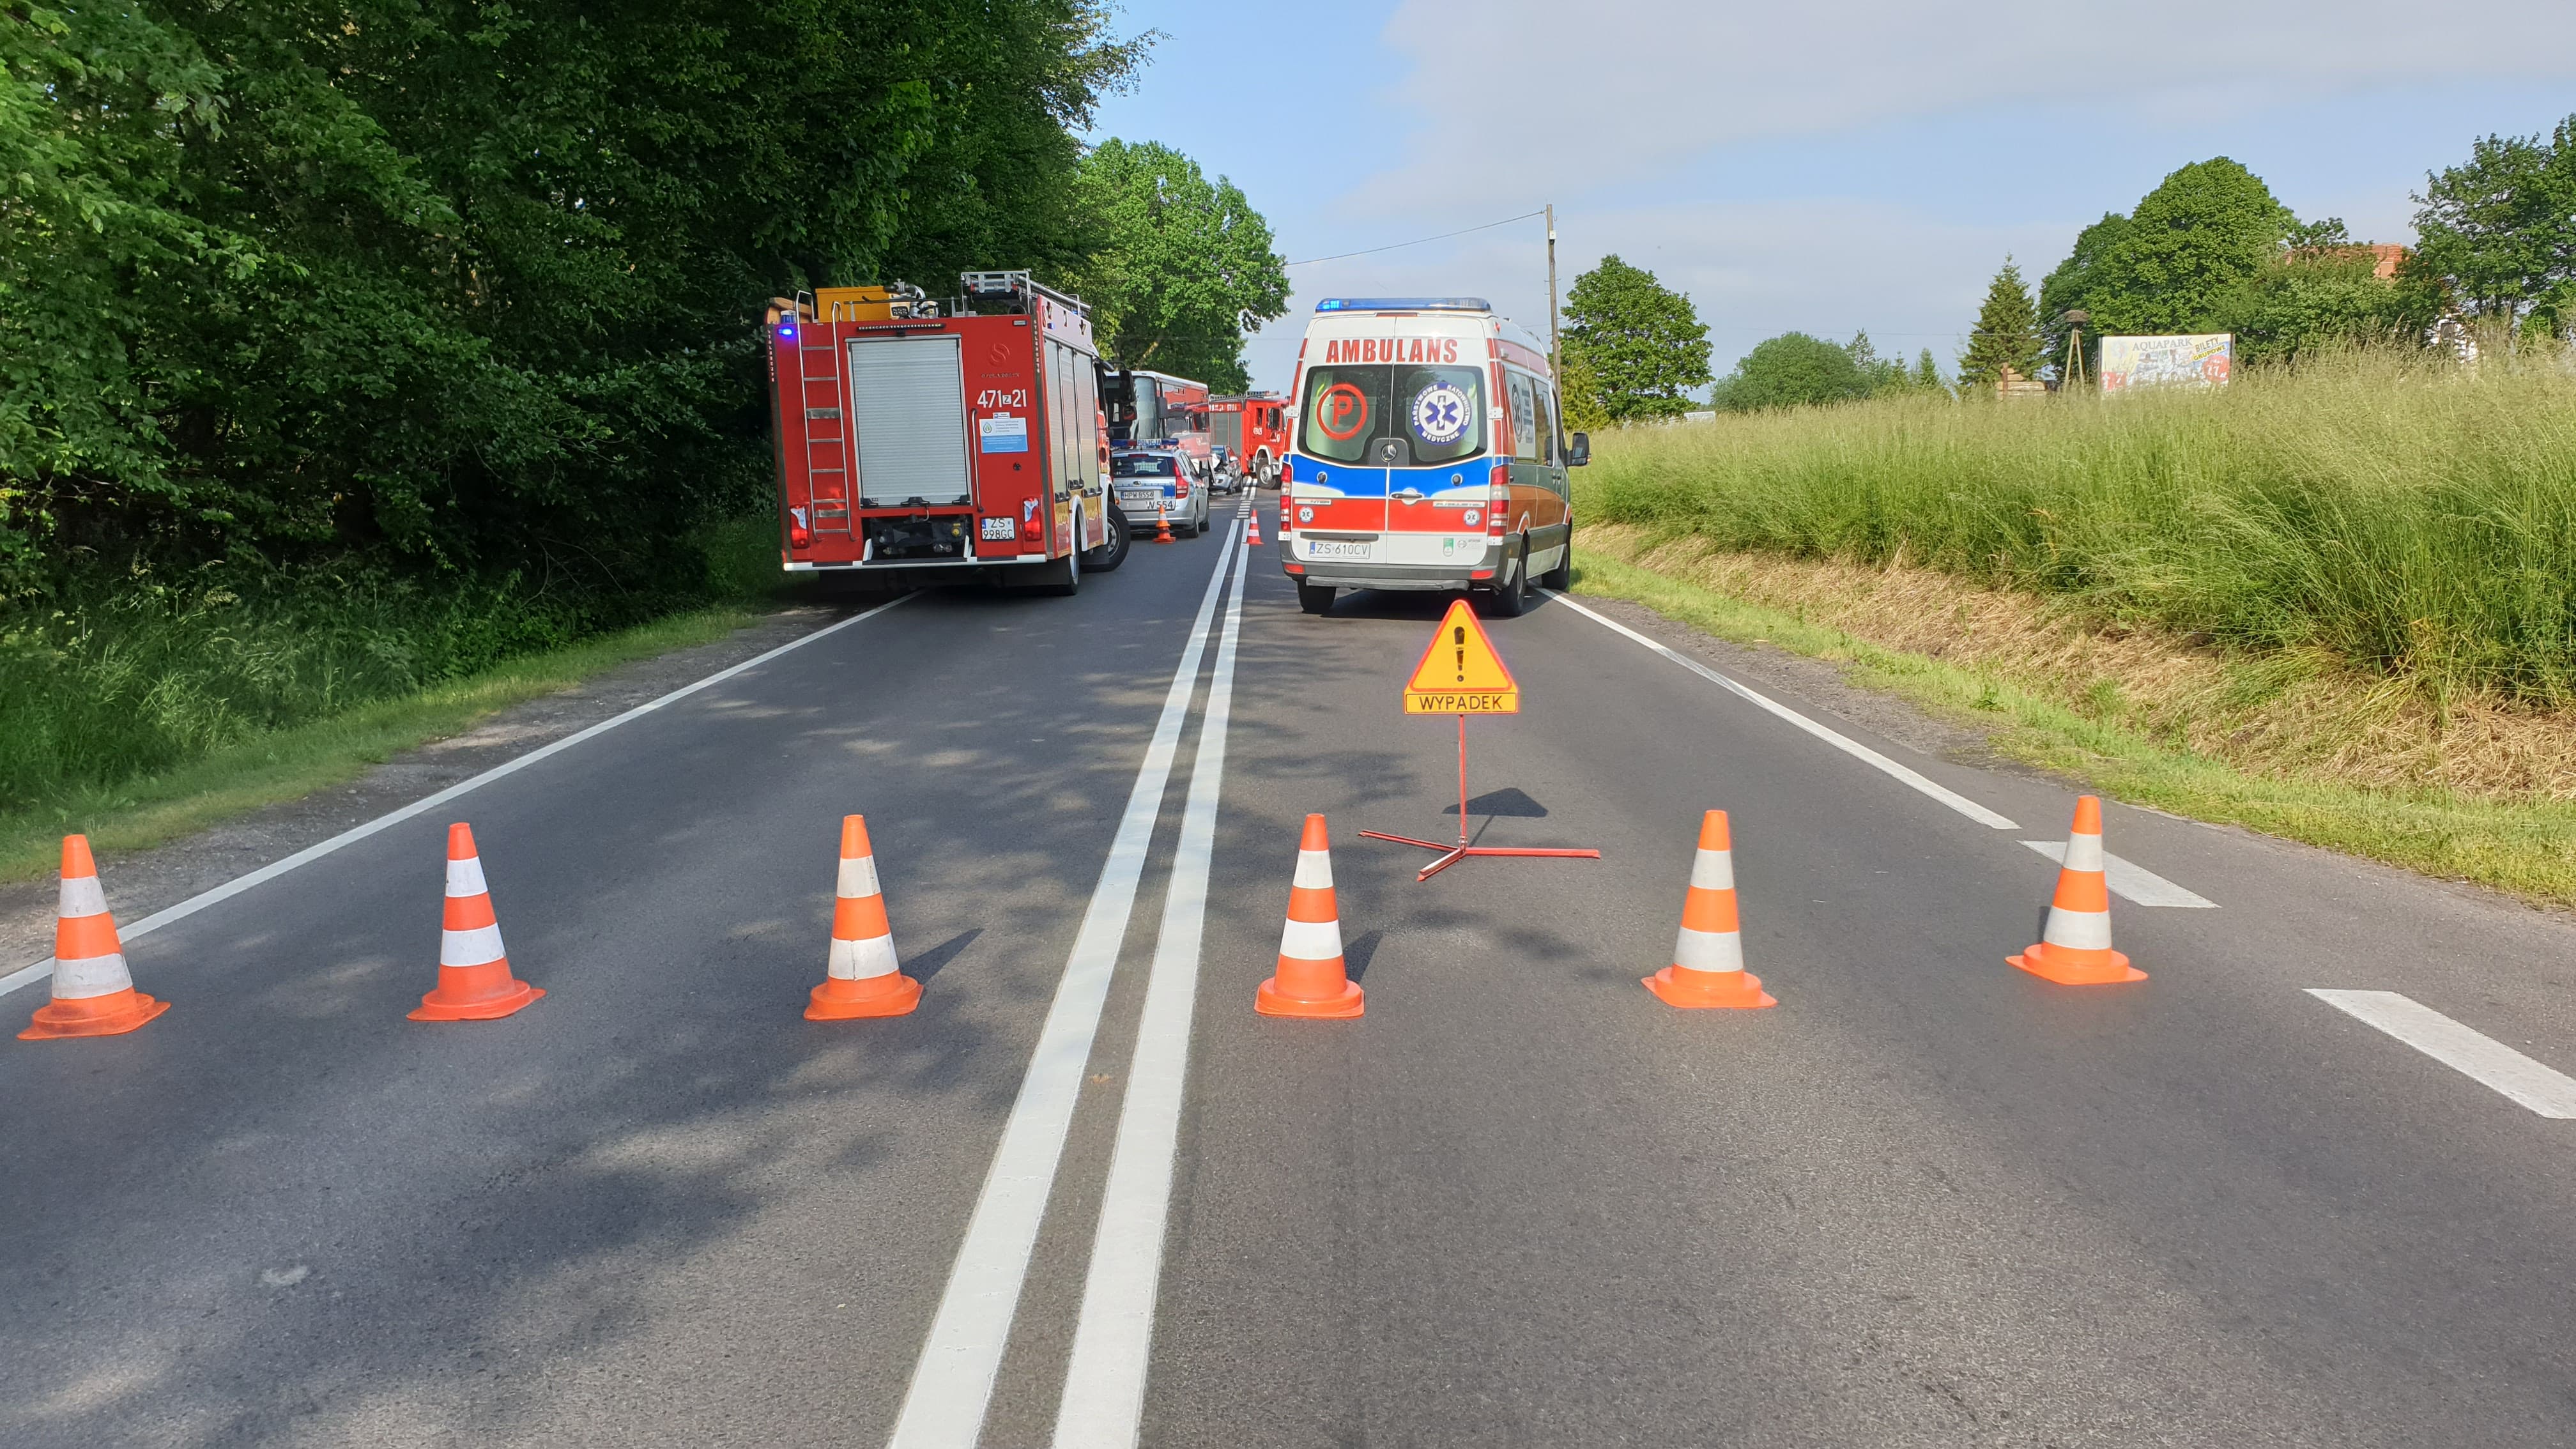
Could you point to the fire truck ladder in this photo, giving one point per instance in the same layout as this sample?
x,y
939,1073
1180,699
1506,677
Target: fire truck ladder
x,y
827,428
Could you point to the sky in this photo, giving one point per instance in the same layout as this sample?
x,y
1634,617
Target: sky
x,y
1821,167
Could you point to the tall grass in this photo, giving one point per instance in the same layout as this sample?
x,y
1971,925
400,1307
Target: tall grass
x,y
117,678
2394,511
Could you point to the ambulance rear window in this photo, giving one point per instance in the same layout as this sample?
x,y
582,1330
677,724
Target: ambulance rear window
x,y
1431,414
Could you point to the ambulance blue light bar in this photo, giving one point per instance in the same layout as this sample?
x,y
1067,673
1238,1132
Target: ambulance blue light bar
x,y
1404,304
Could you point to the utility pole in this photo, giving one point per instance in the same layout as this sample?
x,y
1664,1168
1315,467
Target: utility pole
x,y
1555,353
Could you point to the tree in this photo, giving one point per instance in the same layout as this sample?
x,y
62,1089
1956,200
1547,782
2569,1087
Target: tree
x,y
2499,232
439,286
1644,345
1580,391
2007,334
1927,373
1793,370
1179,260
2316,296
2203,230
1882,374
2071,286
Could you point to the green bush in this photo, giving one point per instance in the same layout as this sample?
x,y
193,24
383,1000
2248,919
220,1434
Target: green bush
x,y
2394,510
117,677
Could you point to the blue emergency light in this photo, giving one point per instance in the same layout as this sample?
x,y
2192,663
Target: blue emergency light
x,y
787,331
1404,304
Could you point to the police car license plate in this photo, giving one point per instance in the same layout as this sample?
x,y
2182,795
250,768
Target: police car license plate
x,y
1140,497
1359,548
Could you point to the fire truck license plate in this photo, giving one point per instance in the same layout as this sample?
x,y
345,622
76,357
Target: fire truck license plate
x,y
1001,528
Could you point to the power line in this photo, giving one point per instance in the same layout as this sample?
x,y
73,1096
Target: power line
x,y
1417,241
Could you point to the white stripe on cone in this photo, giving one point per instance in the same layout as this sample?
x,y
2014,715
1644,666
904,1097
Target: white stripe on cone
x,y
858,877
2084,853
82,896
465,877
858,960
1314,869
2078,930
1713,870
88,976
1708,950
1311,940
480,946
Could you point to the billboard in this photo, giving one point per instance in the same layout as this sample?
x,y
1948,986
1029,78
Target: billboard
x,y
2202,360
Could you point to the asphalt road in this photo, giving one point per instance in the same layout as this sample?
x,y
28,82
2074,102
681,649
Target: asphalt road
x,y
1928,1200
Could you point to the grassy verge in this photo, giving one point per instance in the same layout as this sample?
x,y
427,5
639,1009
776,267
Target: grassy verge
x,y
2395,513
2523,846
290,763
146,713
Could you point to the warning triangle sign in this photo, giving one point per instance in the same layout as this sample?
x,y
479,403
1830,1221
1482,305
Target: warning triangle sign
x,y
1460,673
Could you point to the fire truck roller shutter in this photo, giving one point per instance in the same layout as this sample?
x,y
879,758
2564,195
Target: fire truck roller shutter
x,y
908,407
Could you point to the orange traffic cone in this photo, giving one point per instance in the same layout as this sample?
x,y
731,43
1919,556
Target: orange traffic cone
x,y
2075,946
1252,528
1162,523
1310,980
862,977
1708,956
93,993
474,980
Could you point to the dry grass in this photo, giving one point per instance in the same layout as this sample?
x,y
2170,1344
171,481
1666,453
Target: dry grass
x,y
2295,715
2464,789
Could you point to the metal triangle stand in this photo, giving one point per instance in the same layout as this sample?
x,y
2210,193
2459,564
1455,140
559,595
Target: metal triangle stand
x,y
1451,854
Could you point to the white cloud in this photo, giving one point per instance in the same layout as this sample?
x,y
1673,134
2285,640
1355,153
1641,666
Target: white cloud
x,y
1610,88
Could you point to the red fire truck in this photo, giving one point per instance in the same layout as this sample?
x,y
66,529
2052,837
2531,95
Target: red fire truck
x,y
1254,428
926,445
1158,410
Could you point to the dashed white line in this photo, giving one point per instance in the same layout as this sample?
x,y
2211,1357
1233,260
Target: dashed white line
x,y
1104,1382
952,1383
38,971
2133,882
2544,1090
1847,745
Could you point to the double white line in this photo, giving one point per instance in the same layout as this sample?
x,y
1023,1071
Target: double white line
x,y
952,1383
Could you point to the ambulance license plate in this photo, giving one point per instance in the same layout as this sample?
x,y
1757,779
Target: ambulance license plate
x,y
1359,548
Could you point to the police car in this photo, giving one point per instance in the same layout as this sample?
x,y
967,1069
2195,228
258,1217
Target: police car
x,y
1155,482
1428,454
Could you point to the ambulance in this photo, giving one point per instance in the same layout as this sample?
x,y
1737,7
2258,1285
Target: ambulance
x,y
1427,454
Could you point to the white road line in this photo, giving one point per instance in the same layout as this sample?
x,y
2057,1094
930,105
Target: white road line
x,y
952,1384
1104,1382
1848,746
2131,881
2544,1090
38,971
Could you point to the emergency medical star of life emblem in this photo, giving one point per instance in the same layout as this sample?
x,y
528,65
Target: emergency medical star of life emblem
x,y
1440,413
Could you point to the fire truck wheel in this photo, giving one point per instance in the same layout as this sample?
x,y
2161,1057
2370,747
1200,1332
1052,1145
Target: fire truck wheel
x,y
1064,579
1315,598
1109,555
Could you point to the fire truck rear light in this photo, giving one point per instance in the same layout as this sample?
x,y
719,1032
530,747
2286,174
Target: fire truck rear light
x,y
798,536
